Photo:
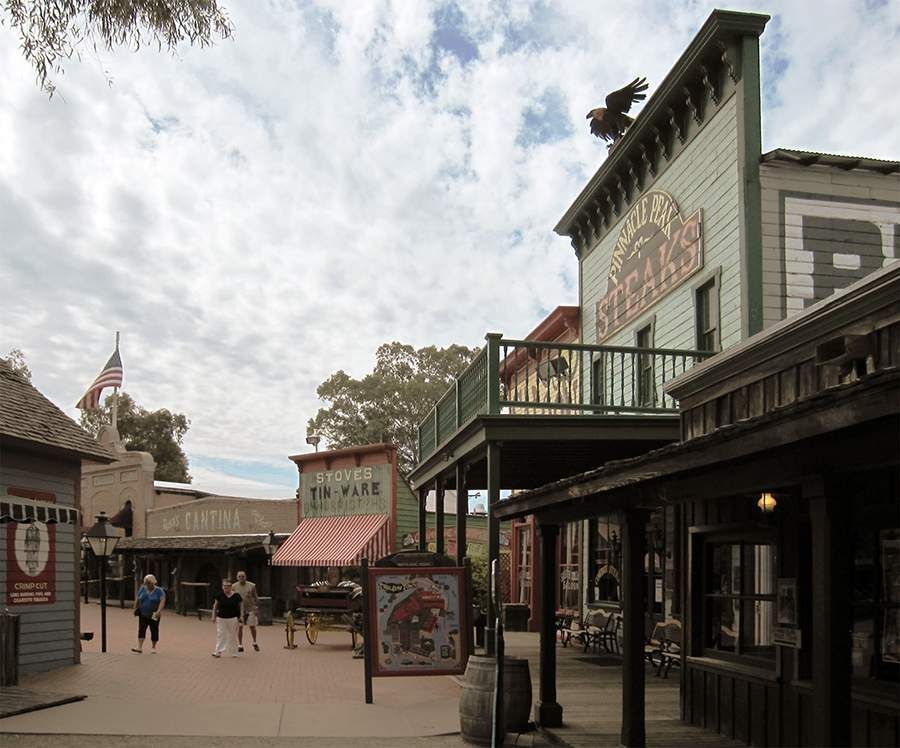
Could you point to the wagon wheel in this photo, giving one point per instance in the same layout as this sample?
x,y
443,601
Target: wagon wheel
x,y
312,628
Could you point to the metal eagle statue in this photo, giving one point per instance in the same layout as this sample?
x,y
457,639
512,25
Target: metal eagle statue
x,y
610,123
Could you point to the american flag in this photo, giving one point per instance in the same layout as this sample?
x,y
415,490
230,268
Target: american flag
x,y
111,376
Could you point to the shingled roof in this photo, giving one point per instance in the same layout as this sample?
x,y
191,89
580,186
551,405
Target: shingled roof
x,y
27,418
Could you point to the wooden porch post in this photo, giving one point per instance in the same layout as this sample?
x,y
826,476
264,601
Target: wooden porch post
x,y
423,541
493,484
439,515
831,621
548,712
634,527
462,508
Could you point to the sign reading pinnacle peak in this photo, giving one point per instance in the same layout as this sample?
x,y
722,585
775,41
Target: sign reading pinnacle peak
x,y
657,250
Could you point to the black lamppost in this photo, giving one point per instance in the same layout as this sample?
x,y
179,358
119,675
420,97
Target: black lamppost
x,y
85,568
269,545
103,539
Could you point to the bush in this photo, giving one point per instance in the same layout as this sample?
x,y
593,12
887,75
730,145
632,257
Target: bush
x,y
481,582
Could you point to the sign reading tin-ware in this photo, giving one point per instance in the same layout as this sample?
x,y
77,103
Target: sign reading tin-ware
x,y
30,563
657,250
354,490
417,620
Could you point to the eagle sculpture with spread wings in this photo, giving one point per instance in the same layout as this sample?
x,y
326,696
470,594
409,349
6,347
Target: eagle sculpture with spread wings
x,y
610,123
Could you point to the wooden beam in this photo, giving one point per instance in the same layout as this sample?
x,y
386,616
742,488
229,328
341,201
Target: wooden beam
x,y
493,472
634,529
439,515
548,712
462,509
423,541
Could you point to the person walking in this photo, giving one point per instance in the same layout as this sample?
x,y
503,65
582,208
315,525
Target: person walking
x,y
250,615
148,606
226,615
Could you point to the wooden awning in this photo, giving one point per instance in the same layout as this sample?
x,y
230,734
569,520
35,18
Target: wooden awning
x,y
335,541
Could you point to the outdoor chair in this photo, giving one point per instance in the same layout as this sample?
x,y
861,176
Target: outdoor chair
x,y
671,649
608,636
568,627
594,624
654,646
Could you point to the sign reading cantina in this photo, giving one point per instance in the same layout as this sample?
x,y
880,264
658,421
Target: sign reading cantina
x,y
655,253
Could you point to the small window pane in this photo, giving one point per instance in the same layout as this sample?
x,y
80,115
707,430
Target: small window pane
x,y
724,623
726,569
756,632
759,569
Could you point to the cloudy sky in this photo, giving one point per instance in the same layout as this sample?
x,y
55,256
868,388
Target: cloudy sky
x,y
255,216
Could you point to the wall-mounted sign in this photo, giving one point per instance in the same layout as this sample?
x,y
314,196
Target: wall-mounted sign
x,y
657,250
417,620
30,563
784,636
344,491
786,602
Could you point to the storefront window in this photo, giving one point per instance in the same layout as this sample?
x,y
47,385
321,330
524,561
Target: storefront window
x,y
876,604
605,571
739,598
570,566
523,565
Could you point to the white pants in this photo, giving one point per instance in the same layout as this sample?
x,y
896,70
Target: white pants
x,y
226,636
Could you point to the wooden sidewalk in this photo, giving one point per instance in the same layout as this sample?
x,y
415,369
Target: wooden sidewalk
x,y
589,689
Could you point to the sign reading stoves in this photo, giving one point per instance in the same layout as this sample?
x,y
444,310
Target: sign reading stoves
x,y
356,490
657,250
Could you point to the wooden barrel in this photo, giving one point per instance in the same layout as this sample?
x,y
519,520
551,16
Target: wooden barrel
x,y
477,698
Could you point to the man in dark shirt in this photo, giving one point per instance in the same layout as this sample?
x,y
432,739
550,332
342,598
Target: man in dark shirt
x,y
226,615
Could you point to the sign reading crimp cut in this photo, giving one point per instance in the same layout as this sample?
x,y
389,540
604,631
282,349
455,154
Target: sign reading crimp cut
x,y
657,250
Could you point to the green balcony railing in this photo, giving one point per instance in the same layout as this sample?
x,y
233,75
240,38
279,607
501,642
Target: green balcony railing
x,y
521,377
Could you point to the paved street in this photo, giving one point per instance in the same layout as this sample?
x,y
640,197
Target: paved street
x,y
313,691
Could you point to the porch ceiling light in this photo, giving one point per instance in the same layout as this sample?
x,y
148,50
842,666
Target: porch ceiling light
x,y
767,503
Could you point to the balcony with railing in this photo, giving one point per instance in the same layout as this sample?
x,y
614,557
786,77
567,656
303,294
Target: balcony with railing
x,y
526,377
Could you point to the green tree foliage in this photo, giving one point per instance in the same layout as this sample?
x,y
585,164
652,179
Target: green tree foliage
x,y
159,432
15,360
388,404
53,31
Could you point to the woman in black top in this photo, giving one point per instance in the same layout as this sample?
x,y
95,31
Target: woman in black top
x,y
226,615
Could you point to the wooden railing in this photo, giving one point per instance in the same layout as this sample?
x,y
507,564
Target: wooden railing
x,y
521,377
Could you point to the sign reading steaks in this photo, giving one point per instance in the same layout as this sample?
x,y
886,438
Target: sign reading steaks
x,y
657,250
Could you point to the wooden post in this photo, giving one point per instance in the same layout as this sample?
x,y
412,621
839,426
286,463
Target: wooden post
x,y
548,712
493,372
423,541
493,481
367,631
439,515
831,621
634,528
462,509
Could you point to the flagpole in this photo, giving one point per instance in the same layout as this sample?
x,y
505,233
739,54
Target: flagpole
x,y
115,403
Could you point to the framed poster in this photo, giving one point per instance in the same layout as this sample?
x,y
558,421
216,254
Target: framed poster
x,y
786,613
30,563
417,619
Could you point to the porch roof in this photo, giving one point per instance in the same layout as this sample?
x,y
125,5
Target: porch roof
x,y
538,449
744,456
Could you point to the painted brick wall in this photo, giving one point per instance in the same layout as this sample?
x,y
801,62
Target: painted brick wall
x,y
46,632
822,229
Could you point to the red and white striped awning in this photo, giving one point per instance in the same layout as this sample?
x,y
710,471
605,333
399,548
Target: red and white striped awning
x,y
335,541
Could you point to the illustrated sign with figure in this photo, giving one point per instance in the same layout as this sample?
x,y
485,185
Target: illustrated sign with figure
x,y
30,563
417,621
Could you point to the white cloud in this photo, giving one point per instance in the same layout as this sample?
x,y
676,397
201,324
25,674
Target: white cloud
x,y
254,216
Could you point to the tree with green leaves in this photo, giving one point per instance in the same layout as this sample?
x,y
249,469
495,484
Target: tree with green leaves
x,y
54,31
159,432
15,360
388,404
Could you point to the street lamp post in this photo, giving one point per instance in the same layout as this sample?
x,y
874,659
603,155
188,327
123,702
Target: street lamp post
x,y
103,539
85,568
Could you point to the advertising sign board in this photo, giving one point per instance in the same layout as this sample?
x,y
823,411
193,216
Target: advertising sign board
x,y
344,491
30,563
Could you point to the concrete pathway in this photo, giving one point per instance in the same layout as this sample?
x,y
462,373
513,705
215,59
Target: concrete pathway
x,y
312,691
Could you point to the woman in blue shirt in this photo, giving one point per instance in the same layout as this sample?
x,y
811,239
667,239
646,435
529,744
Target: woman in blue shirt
x,y
151,599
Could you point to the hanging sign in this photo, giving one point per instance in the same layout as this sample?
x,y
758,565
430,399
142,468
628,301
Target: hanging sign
x,y
417,620
657,250
30,563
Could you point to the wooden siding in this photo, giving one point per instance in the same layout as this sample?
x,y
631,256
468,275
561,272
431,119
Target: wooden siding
x,y
47,637
407,512
865,205
704,176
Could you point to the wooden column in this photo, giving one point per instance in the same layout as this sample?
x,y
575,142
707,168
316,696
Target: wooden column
x,y
493,490
548,713
831,620
439,515
423,541
634,528
462,509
